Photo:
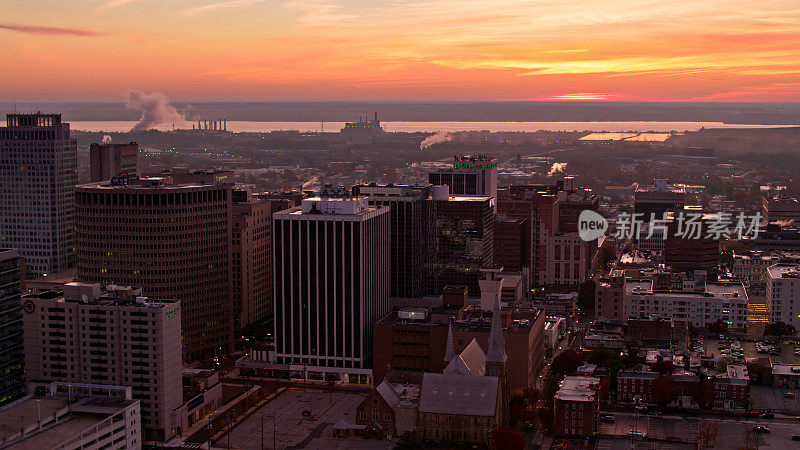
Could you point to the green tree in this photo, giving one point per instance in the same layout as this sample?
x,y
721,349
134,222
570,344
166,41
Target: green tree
x,y
566,363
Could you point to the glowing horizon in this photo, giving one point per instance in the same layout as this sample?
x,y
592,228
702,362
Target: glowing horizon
x,y
274,50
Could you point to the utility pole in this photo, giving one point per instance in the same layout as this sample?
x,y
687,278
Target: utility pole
x,y
274,430
262,430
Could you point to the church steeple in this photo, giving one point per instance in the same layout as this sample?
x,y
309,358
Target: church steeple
x,y
496,347
449,351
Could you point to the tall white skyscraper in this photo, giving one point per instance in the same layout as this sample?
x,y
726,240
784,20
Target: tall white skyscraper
x,y
38,171
331,260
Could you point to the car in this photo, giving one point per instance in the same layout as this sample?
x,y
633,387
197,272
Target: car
x,y
760,429
768,416
641,408
607,418
796,437
655,413
797,418
789,395
636,433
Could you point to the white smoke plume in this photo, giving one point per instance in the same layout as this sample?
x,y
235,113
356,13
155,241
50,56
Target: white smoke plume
x,y
155,107
437,138
557,167
106,139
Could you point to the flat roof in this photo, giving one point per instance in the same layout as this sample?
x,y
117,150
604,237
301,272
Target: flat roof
x,y
54,437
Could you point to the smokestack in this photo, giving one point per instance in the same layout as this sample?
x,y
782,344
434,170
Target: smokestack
x,y
198,125
225,125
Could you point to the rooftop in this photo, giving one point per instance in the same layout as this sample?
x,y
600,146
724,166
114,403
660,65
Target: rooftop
x,y
578,389
466,395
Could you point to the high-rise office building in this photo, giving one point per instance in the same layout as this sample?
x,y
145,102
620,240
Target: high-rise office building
x,y
38,171
171,240
470,175
331,260
465,228
110,160
12,375
251,259
112,336
413,236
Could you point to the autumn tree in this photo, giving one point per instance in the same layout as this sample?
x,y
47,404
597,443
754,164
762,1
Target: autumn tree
x,y
566,363
718,327
663,367
664,390
507,438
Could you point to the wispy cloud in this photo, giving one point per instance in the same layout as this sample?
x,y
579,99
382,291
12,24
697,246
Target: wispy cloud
x,y
49,31
316,13
105,6
219,5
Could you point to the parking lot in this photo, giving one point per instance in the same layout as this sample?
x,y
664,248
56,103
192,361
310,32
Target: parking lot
x,y
773,399
296,431
787,351
673,432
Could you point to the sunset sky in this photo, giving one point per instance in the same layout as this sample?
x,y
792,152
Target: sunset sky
x,y
711,50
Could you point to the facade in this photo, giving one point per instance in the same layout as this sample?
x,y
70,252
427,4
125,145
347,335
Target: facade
x,y
331,260
783,294
576,407
416,341
609,302
74,416
470,176
108,337
732,388
413,238
461,409
777,208
465,227
658,199
110,160
251,259
512,238
171,240
726,301
12,374
38,172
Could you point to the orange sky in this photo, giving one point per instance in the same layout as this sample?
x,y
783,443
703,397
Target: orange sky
x,y
711,50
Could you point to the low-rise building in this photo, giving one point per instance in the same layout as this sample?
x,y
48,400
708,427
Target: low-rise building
x,y
67,419
783,294
576,407
732,388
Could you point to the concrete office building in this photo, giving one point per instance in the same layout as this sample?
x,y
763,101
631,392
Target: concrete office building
x,y
331,260
12,375
38,172
783,294
112,336
413,238
110,160
171,240
726,301
471,175
251,263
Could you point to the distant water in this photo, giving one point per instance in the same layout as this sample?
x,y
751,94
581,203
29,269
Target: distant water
x,y
264,127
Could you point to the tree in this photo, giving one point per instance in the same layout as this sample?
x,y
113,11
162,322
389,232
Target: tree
x,y
586,297
606,254
664,390
507,438
779,329
718,327
531,395
663,367
515,407
409,441
545,414
607,358
703,392
566,363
